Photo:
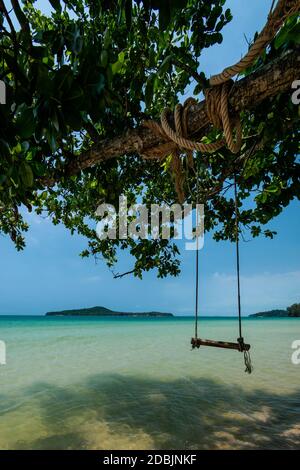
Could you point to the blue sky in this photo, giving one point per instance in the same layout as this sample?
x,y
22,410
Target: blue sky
x,y
49,274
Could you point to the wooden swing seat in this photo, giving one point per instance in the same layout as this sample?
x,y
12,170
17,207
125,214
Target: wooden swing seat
x,y
197,342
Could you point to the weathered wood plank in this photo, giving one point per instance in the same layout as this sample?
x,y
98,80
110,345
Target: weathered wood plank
x,y
197,342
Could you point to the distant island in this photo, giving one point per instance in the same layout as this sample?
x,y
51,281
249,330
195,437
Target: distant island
x,y
105,312
292,311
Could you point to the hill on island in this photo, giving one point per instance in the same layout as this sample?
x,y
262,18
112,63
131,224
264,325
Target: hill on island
x,y
292,311
106,312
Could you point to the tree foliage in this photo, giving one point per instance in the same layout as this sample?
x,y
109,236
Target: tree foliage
x,y
294,310
83,71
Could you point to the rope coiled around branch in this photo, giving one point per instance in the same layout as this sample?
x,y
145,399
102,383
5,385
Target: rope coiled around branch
x,y
178,141
171,147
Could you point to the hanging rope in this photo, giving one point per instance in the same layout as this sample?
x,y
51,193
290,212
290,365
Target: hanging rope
x,y
247,358
197,258
283,10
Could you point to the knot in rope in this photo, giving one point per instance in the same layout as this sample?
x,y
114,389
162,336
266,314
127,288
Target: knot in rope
x,y
174,146
178,140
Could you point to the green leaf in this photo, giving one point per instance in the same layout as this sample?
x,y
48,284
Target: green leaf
x,y
116,67
294,34
26,174
228,15
104,58
25,123
121,57
107,39
165,65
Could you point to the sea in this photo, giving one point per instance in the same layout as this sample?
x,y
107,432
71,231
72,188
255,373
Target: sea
x,y
135,383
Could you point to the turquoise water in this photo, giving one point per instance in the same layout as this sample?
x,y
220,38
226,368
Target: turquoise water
x,y
92,383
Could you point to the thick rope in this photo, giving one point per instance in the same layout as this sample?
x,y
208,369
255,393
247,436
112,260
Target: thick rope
x,y
283,10
185,143
178,141
171,147
217,111
248,363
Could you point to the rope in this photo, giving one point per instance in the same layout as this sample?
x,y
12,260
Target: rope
x,y
237,256
248,363
217,111
283,10
197,259
172,147
247,358
178,141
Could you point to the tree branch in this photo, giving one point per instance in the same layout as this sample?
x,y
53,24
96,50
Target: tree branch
x,y
246,94
119,276
3,9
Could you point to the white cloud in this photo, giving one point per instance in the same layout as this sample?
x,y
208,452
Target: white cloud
x,y
218,293
32,241
259,291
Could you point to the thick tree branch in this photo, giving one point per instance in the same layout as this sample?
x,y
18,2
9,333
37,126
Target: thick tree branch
x,y
3,10
246,94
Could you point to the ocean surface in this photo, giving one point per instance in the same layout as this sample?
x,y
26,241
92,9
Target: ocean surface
x,y
119,383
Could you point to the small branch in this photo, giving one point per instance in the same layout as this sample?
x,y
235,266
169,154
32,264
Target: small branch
x,y
119,276
8,19
21,17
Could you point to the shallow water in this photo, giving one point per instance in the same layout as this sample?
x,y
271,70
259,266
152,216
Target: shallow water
x,y
92,383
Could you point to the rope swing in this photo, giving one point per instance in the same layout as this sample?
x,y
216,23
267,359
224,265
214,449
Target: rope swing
x,y
240,345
